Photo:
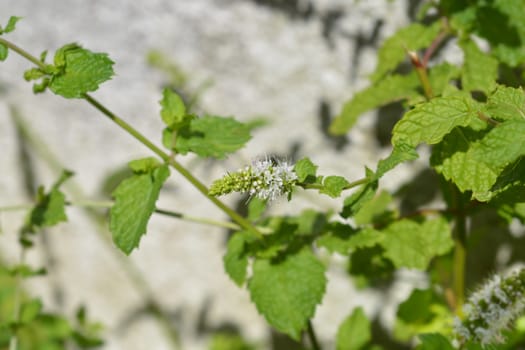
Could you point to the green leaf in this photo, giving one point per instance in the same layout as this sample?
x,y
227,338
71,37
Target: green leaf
x,y
144,165
394,50
501,24
25,271
30,310
286,291
353,204
369,265
417,308
440,76
33,74
400,153
354,332
391,89
305,170
3,52
50,207
374,209
506,103
434,341
229,341
135,199
502,146
333,186
80,71
344,239
454,158
50,210
212,136
236,260
429,122
480,70
11,24
412,245
173,110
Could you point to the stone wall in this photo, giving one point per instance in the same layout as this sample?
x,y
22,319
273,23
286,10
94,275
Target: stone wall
x,y
291,62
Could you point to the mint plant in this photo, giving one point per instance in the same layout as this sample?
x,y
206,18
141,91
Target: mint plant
x,y
471,117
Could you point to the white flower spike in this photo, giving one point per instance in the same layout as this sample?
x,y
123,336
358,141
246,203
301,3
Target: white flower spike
x,y
491,309
266,179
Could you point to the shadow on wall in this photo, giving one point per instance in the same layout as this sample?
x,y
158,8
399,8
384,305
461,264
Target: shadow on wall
x,y
295,9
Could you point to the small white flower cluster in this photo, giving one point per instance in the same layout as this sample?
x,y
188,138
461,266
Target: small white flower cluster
x,y
271,179
490,310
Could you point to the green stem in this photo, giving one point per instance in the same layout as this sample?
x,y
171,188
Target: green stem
x,y
347,187
423,78
245,224
224,224
422,73
460,252
22,53
311,335
109,204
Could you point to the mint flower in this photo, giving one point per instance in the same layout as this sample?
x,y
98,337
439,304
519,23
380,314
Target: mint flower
x,y
491,309
265,179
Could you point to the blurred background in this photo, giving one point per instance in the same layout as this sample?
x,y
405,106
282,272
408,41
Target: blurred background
x,y
289,63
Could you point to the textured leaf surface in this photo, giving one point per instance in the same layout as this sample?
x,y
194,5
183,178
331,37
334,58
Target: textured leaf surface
x,y
135,199
455,159
354,332
392,88
429,122
506,103
212,136
393,51
479,70
235,260
81,71
287,292
502,145
333,186
412,245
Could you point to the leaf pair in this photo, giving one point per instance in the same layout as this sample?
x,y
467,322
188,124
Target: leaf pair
x,y
76,71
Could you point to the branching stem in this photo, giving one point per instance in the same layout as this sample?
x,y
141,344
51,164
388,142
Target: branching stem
x,y
109,204
245,224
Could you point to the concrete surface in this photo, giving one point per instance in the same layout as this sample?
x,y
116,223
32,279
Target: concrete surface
x,y
263,61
